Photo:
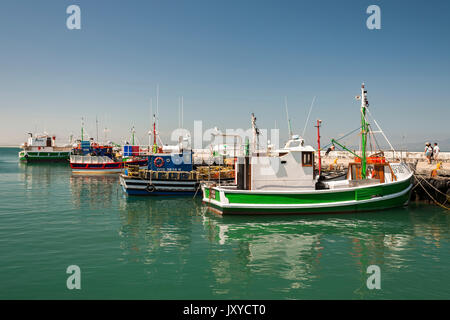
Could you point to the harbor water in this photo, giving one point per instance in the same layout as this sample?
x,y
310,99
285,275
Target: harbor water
x,y
173,248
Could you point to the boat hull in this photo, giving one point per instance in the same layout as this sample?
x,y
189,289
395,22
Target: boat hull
x,y
50,156
370,198
141,187
104,168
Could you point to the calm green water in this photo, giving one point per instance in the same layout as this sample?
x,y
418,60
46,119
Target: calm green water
x,y
169,248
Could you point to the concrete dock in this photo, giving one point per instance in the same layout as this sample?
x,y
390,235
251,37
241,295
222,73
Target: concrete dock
x,y
340,160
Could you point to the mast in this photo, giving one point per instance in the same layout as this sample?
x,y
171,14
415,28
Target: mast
x,y
364,130
318,144
132,136
155,146
255,133
149,132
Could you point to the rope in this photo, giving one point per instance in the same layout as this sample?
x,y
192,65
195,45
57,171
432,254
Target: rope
x,y
434,200
195,194
423,179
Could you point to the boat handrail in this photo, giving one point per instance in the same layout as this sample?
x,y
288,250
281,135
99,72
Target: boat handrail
x,y
90,159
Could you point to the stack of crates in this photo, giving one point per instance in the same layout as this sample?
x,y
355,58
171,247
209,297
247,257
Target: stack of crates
x,y
85,147
129,151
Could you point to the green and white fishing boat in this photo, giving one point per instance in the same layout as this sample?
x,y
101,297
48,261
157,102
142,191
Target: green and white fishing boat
x,y
284,182
42,148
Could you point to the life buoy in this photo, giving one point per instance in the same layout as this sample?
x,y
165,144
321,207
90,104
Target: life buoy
x,y
159,162
150,188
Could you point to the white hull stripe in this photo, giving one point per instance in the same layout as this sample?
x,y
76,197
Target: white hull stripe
x,y
160,188
157,182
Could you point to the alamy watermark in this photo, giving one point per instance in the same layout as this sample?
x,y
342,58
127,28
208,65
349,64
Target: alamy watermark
x,y
374,280
74,280
73,21
374,20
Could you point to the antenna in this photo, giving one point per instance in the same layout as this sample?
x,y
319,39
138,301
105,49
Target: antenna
x,y
288,120
82,132
157,102
309,113
96,126
132,135
105,131
149,132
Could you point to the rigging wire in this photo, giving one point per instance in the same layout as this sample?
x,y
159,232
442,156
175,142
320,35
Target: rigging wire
x,y
342,137
309,113
381,131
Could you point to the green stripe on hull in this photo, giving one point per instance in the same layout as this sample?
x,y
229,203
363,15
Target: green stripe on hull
x,y
309,198
44,156
315,197
356,207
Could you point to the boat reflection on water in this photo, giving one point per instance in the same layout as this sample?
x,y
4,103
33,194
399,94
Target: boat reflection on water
x,y
95,192
153,227
41,174
179,243
304,249
275,246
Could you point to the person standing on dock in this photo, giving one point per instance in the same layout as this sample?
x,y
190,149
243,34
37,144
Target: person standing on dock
x,y
428,151
436,151
329,150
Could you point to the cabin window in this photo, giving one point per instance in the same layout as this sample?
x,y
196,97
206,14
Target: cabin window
x,y
307,159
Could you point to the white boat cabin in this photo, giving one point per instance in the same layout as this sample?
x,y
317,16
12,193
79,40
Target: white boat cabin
x,y
289,168
40,141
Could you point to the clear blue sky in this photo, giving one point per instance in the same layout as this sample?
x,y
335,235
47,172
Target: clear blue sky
x,y
228,59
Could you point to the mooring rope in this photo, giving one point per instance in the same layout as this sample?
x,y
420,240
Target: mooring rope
x,y
417,176
434,200
423,179
198,188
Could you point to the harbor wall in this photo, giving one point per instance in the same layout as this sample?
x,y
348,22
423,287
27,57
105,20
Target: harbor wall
x,y
340,159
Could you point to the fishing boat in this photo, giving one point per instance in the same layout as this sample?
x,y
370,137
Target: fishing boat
x,y
89,157
284,181
39,148
171,171
172,174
